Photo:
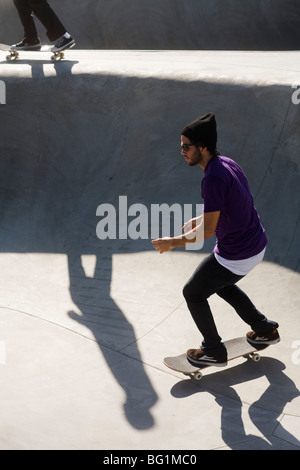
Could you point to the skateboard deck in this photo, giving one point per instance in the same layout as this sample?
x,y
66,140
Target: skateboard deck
x,y
14,55
237,347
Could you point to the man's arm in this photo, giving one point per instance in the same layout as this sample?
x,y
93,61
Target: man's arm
x,y
210,220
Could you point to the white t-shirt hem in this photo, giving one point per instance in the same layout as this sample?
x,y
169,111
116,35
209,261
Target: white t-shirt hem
x,y
243,266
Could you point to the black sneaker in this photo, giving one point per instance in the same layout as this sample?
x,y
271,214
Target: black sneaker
x,y
271,337
197,357
63,43
26,45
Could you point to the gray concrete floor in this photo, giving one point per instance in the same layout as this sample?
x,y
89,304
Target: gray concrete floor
x,y
85,324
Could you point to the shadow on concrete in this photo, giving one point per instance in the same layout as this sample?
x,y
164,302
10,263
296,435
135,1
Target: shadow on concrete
x,y
61,67
281,390
112,331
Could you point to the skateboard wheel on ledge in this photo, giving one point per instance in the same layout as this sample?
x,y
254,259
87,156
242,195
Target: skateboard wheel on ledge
x,y
58,56
12,56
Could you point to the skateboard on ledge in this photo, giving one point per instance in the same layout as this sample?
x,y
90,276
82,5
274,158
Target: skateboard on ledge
x,y
14,55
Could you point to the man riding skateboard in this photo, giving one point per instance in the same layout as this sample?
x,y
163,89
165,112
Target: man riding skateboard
x,y
55,29
229,213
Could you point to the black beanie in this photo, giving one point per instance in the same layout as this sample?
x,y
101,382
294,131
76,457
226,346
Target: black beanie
x,y
203,129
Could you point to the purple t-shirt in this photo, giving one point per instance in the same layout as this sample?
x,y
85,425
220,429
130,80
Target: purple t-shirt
x,y
225,188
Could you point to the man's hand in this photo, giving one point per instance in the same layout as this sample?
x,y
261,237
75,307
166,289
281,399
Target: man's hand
x,y
197,233
193,223
163,244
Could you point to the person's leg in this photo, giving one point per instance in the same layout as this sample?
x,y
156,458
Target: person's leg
x,y
25,13
42,10
209,278
246,310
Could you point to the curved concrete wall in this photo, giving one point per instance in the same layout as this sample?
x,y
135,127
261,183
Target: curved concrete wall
x,y
79,134
171,24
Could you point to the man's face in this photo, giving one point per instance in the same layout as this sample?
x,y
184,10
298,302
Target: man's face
x,y
191,153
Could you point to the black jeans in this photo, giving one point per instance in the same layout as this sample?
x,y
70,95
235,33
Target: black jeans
x,y
44,13
212,278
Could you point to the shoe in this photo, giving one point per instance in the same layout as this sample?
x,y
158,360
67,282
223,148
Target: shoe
x,y
197,357
63,43
270,337
25,45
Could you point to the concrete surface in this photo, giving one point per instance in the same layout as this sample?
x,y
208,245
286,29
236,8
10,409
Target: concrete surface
x,y
170,24
85,323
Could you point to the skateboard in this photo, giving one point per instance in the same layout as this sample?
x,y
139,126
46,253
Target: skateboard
x,y
237,347
14,55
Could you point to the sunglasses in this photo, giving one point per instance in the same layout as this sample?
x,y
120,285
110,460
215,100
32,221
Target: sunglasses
x,y
185,147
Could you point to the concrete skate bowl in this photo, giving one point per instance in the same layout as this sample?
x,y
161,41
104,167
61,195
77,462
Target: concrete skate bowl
x,y
87,139
170,24
74,137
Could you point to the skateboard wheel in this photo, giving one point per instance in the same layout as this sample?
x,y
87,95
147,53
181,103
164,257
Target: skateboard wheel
x,y
197,376
57,56
255,357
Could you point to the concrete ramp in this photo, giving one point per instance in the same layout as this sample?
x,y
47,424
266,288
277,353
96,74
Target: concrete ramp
x,y
170,24
84,322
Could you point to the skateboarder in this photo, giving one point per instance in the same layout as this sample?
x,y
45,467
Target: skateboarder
x,y
55,29
229,213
